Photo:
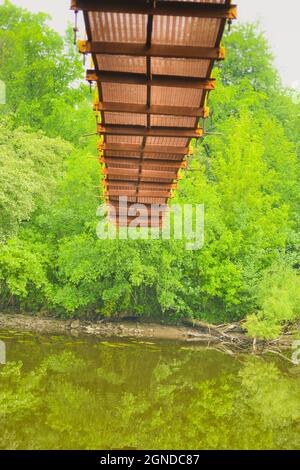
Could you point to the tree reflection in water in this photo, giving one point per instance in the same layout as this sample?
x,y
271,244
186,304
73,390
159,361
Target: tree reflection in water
x,y
97,395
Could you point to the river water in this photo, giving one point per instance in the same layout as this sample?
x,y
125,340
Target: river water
x,y
60,392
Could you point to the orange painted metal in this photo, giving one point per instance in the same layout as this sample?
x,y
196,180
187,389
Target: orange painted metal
x,y
153,62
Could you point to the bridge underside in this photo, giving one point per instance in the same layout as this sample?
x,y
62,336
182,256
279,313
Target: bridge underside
x,y
152,65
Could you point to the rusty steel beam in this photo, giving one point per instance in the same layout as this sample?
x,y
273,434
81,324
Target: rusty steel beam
x,y
121,213
147,162
156,80
133,49
162,8
177,132
153,109
131,181
146,186
145,172
149,149
132,192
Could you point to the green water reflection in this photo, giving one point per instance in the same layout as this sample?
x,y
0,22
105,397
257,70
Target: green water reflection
x,y
57,392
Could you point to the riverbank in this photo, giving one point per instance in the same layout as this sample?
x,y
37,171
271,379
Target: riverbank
x,y
229,338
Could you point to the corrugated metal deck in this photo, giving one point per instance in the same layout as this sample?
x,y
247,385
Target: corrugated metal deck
x,y
153,62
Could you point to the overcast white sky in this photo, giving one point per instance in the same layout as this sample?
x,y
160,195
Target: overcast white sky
x,y
280,21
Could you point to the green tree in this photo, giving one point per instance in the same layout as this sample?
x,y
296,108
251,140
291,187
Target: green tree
x,y
31,166
278,296
248,58
41,71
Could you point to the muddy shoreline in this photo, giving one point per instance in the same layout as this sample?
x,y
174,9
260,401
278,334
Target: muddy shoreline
x,y
228,338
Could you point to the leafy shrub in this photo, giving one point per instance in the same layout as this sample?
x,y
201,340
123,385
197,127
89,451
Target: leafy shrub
x,y
279,300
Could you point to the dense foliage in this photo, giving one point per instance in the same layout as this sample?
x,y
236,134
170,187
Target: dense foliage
x,y
246,172
40,70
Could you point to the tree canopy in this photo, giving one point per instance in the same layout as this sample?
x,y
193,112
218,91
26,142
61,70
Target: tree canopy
x,y
41,71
